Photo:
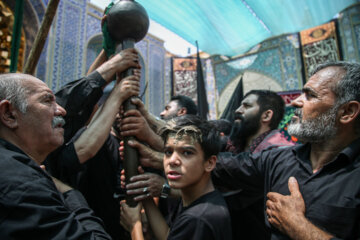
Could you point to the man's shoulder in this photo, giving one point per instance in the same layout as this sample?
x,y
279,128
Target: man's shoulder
x,y
208,216
18,173
275,139
208,206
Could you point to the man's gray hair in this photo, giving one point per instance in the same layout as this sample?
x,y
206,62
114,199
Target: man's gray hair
x,y
347,89
12,89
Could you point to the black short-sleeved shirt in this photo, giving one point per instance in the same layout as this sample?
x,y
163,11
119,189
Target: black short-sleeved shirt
x,y
331,195
32,208
78,98
97,179
206,218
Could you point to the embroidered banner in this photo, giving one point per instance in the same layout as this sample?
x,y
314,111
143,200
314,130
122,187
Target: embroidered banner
x,y
184,77
319,45
289,96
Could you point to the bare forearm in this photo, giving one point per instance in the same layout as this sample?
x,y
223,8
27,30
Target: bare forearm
x,y
156,160
155,123
307,231
156,220
156,142
100,59
92,139
136,232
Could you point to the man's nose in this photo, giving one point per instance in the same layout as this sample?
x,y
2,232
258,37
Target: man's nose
x,y
60,111
298,102
239,110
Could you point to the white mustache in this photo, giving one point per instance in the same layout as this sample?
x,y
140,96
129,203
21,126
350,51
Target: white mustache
x,y
298,113
58,121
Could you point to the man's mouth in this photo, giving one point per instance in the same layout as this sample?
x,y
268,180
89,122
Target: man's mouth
x,y
58,122
238,118
297,116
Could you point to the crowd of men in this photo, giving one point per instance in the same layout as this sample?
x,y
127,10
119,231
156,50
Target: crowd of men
x,y
62,161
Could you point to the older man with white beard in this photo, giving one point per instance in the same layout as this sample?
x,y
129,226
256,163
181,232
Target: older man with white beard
x,y
32,204
312,190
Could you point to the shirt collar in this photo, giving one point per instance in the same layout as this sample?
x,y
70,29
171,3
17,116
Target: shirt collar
x,y
255,143
23,157
302,151
10,146
352,150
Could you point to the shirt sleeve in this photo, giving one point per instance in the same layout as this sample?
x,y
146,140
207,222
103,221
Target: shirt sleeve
x,y
36,210
243,171
190,228
63,163
78,98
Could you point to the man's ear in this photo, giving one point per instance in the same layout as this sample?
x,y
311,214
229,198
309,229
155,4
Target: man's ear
x,y
8,114
267,116
182,111
210,163
349,112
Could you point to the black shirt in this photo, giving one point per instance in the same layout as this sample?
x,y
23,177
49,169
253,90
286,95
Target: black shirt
x,y
32,208
97,179
78,98
331,195
204,219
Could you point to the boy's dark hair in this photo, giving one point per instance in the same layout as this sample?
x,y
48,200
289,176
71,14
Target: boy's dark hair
x,y
222,125
186,102
269,100
200,130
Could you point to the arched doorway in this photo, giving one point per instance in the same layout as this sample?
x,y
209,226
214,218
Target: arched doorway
x,y
93,49
251,80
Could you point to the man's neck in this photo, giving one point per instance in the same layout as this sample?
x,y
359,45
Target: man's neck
x,y
250,139
324,152
190,194
23,146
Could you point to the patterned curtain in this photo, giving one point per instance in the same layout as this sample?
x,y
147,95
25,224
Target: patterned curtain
x,y
319,45
184,77
289,112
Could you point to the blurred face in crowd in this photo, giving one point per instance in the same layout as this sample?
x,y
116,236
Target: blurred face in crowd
x,y
315,118
247,119
42,125
171,110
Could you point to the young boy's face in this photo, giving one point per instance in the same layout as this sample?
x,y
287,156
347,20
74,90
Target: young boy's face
x,y
184,163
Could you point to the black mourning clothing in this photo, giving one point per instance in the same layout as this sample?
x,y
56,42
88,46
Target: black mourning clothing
x,y
206,218
32,208
331,195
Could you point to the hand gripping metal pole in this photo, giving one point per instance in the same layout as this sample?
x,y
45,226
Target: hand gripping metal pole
x,y
128,23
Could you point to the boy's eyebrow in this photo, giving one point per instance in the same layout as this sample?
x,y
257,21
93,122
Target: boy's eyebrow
x,y
189,148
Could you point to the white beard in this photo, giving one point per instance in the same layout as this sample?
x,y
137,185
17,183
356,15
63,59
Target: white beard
x,y
318,129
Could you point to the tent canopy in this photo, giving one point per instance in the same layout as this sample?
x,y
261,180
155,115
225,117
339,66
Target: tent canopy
x,y
232,27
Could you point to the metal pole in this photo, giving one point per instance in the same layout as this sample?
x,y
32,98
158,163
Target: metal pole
x,y
131,155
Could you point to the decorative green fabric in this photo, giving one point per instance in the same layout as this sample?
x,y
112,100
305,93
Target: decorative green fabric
x,y
108,43
15,44
289,113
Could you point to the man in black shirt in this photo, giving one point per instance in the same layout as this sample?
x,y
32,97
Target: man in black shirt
x,y
312,189
32,204
90,161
